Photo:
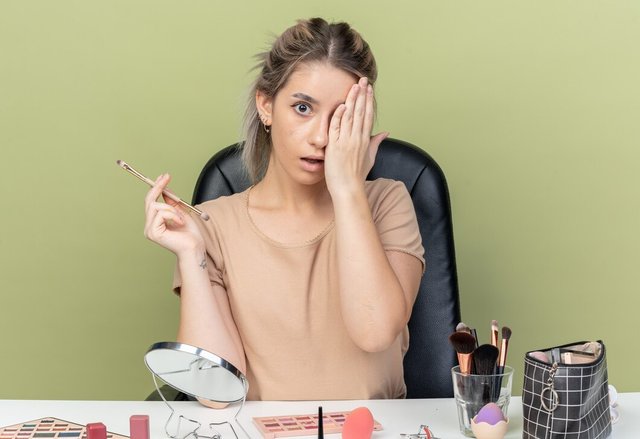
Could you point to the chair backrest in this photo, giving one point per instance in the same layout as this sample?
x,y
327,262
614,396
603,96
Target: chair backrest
x,y
428,362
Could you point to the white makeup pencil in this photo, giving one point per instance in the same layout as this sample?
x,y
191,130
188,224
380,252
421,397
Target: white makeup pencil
x,y
165,192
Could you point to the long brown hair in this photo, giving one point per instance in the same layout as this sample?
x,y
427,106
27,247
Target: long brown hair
x,y
308,41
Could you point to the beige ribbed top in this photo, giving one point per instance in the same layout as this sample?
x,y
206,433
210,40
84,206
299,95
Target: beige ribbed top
x,y
285,301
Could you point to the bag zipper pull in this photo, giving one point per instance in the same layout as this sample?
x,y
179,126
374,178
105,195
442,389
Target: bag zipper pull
x,y
549,388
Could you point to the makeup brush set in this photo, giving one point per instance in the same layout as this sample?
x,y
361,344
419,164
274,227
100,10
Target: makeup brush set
x,y
485,359
482,381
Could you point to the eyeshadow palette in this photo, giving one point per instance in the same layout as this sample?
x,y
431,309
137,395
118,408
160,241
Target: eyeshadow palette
x,y
49,428
302,425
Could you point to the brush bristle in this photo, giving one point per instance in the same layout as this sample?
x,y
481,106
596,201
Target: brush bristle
x,y
462,342
484,359
462,327
506,333
120,163
494,324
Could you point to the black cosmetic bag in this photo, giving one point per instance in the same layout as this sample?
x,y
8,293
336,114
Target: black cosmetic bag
x,y
565,393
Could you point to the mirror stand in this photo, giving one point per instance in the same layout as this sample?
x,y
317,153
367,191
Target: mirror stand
x,y
200,374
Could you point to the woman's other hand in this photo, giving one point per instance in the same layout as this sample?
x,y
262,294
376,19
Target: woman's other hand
x,y
167,224
351,150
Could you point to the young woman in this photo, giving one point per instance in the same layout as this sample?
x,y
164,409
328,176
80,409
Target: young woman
x,y
306,280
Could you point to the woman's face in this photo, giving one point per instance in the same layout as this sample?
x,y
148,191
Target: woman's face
x,y
300,114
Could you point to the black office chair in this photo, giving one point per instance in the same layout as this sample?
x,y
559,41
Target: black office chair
x,y
428,362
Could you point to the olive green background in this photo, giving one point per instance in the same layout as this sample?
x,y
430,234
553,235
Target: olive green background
x,y
532,108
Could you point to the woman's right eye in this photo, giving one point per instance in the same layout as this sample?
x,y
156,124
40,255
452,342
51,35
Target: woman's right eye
x,y
302,108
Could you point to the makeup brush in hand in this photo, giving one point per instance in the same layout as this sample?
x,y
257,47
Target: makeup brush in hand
x,y
464,344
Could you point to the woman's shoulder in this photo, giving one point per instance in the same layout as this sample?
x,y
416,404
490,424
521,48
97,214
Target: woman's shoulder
x,y
388,196
226,205
381,187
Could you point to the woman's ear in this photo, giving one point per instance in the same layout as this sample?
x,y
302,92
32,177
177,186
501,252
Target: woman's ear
x,y
264,104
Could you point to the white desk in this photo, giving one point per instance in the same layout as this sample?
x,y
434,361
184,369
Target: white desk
x,y
396,416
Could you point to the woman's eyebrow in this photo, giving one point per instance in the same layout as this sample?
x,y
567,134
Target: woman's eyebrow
x,y
305,97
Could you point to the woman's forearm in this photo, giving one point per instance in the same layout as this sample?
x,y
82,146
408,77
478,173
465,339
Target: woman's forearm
x,y
375,307
205,315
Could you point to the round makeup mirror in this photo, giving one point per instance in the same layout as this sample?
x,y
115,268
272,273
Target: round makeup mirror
x,y
196,372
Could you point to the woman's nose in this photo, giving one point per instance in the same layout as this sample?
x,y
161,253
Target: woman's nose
x,y
319,135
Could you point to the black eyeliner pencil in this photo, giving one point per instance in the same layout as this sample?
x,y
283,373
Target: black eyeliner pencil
x,y
320,424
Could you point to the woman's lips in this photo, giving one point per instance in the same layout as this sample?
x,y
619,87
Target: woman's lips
x,y
312,164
